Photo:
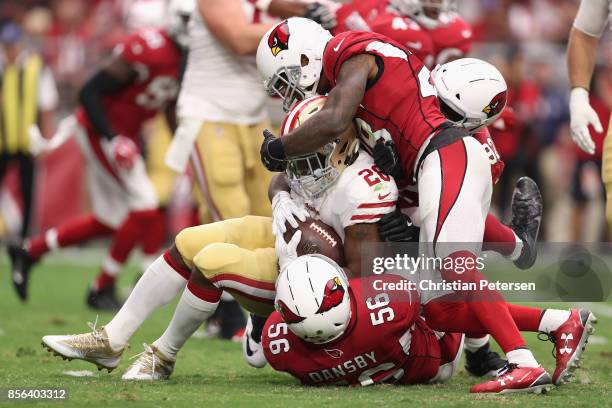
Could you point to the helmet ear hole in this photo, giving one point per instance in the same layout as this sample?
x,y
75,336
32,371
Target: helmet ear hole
x,y
304,60
458,96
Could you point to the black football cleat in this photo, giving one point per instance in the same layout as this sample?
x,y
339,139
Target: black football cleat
x,y
21,263
484,362
526,219
105,299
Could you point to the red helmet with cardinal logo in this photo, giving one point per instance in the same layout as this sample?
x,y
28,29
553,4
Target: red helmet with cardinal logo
x,y
312,297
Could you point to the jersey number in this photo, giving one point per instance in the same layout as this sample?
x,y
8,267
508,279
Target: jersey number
x,y
380,311
280,345
370,177
491,151
160,90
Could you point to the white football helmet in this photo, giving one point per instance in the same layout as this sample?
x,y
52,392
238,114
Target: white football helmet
x,y
312,174
313,298
290,59
472,92
178,16
428,13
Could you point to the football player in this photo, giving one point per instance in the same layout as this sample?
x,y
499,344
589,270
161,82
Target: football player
x,y
361,71
331,331
240,255
139,81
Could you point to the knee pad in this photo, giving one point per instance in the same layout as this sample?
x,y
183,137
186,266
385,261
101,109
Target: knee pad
x,y
215,257
192,240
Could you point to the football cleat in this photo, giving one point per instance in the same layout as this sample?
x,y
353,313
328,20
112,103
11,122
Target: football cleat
x,y
151,365
92,347
517,379
105,299
570,340
251,349
526,219
21,262
484,362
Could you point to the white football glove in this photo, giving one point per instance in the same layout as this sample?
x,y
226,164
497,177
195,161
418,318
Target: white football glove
x,y
581,116
284,210
287,251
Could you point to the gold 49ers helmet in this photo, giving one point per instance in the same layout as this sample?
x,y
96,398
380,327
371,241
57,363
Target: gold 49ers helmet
x,y
311,174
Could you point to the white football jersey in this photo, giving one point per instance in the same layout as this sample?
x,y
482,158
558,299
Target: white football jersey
x,y
362,194
219,85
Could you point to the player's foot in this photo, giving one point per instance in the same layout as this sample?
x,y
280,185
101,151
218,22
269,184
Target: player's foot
x,y
93,347
517,379
526,218
104,299
251,347
151,365
21,262
570,340
484,362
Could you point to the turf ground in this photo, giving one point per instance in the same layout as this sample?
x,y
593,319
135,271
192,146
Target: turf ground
x,y
211,373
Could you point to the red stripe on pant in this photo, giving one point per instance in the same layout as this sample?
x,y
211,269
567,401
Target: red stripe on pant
x,y
96,145
453,166
178,268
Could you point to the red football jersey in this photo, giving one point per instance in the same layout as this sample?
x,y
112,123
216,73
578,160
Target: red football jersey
x,y
408,33
358,15
385,342
451,40
156,59
400,104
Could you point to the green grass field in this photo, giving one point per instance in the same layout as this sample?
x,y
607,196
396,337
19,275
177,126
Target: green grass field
x,y
211,373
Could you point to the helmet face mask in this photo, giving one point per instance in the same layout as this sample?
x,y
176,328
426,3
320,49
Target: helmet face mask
x,y
284,83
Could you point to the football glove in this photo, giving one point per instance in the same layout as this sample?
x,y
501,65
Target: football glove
x,y
124,151
397,227
272,153
322,12
581,116
387,160
284,210
287,251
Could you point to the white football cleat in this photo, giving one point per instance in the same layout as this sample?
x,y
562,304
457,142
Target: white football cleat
x,y
252,350
92,347
151,365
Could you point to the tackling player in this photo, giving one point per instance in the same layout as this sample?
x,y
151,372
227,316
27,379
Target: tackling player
x,y
140,80
361,71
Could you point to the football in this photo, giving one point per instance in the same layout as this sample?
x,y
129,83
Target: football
x,y
317,238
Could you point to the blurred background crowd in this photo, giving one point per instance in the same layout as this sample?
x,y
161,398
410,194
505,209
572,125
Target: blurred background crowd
x,y
525,39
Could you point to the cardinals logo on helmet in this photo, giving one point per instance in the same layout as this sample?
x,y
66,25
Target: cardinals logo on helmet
x,y
288,316
333,295
279,38
496,105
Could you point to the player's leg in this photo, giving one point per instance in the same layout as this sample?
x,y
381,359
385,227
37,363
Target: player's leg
x,y
257,177
455,186
606,171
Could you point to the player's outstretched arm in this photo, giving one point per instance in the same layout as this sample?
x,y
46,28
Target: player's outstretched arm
x,y
339,110
108,80
355,236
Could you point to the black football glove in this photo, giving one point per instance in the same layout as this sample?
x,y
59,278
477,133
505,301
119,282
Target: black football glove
x,y
397,227
387,160
322,14
272,153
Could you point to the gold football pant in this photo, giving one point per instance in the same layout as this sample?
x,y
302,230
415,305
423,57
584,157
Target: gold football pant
x,y
237,256
230,178
606,171
161,175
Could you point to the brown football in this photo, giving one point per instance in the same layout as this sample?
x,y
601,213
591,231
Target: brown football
x,y
317,238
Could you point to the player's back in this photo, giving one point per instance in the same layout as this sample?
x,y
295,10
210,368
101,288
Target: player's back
x,y
385,341
452,39
400,103
156,60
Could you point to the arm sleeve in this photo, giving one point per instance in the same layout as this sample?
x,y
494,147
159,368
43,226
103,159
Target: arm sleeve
x,y
47,91
90,97
592,17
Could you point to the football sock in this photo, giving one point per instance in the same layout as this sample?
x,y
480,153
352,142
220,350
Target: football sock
x,y
153,241
500,238
552,319
76,231
156,288
472,344
526,318
190,313
258,323
522,357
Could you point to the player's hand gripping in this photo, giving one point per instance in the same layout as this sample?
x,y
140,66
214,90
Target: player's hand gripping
x,y
581,116
397,227
287,251
125,151
285,210
323,12
272,153
387,160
